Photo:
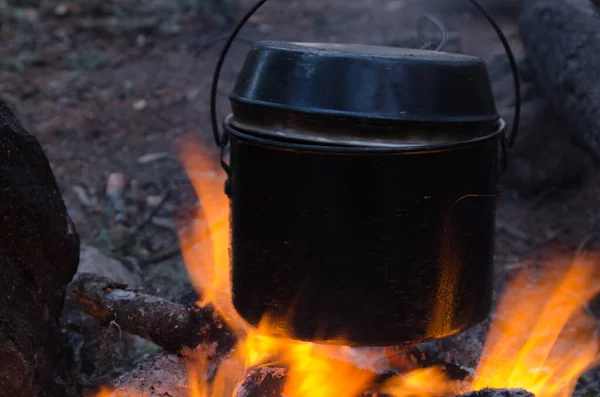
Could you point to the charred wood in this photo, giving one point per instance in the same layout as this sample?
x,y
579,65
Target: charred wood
x,y
478,393
175,327
498,393
262,382
270,382
561,39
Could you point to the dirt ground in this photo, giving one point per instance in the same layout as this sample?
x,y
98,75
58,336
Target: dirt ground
x,y
111,89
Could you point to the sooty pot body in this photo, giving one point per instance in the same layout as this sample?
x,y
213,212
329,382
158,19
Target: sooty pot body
x,y
369,248
363,189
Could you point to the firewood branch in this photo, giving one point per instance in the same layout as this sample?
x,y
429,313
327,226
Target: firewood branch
x,y
561,39
175,327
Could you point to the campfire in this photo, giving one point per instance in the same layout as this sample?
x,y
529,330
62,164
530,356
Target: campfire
x,y
541,339
389,215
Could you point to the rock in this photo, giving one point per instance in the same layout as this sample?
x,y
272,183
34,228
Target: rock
x,y
161,375
93,261
39,252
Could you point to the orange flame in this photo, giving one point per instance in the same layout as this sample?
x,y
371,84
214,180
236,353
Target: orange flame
x,y
541,338
104,392
426,382
311,370
205,246
121,392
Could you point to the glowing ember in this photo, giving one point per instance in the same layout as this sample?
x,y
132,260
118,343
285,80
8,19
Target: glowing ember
x,y
104,392
541,338
427,382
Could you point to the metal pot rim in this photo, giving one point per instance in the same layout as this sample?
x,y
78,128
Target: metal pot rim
x,y
364,150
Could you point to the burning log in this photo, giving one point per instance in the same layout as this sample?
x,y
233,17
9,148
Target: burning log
x,y
262,382
561,39
175,327
39,251
478,393
270,381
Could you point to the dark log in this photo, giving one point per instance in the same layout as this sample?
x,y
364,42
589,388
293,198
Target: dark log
x,y
175,327
544,157
39,252
561,38
498,393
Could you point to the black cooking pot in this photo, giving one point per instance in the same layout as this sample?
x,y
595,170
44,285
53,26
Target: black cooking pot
x,y
362,182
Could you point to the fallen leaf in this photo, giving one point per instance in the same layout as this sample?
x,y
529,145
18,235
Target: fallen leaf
x,y
151,157
140,40
83,196
153,201
62,9
115,184
166,223
140,104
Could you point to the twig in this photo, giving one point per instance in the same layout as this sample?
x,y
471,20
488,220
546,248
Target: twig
x,y
136,230
175,327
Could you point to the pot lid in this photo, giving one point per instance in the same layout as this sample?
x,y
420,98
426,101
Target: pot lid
x,y
366,82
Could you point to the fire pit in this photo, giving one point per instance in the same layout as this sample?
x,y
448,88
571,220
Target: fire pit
x,y
541,340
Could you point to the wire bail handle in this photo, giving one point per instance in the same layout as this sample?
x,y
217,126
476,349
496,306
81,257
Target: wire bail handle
x,y
508,141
